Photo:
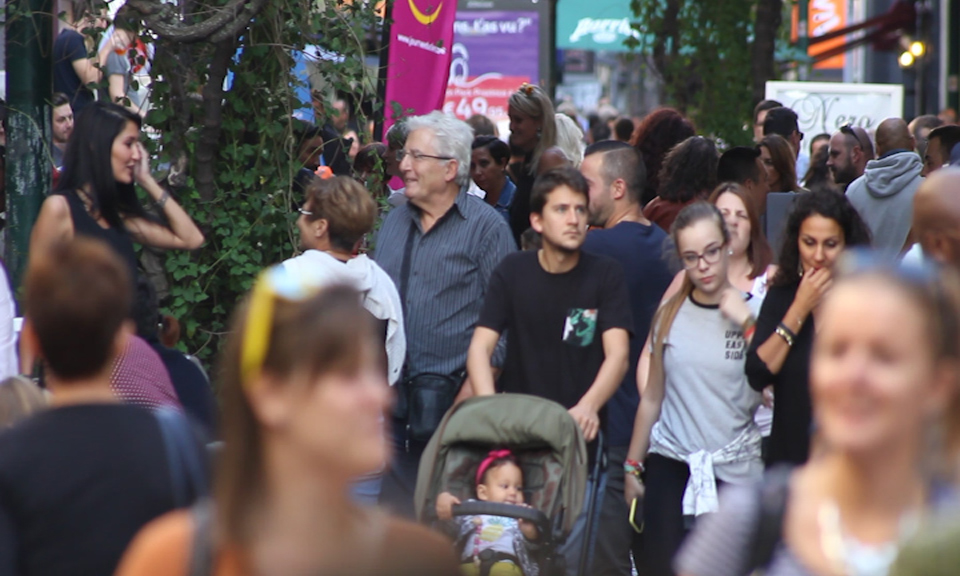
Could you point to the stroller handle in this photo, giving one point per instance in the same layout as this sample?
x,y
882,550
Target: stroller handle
x,y
477,508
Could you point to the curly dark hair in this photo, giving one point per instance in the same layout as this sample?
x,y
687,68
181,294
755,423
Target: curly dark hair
x,y
689,170
656,135
817,203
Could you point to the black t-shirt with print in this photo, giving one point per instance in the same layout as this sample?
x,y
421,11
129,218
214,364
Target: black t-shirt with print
x,y
555,323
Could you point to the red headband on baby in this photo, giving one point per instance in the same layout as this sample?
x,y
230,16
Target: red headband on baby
x,y
491,457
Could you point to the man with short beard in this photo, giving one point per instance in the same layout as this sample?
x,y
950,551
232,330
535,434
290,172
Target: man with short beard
x,y
615,176
569,324
850,150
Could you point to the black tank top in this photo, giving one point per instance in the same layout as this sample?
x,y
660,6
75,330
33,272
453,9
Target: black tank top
x,y
85,225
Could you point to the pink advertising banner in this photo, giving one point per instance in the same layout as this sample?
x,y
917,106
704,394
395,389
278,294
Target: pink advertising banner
x,y
421,42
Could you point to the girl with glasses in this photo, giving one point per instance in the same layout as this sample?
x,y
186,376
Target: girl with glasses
x,y
694,428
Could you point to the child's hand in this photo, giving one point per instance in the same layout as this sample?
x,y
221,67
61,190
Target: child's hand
x,y
528,528
445,502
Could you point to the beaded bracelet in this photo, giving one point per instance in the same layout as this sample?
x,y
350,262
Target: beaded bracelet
x,y
633,467
785,334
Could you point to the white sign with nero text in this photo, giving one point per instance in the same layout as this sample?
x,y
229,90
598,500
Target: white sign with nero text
x,y
826,106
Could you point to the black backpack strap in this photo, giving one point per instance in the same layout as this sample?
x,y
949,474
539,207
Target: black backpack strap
x,y
772,493
201,552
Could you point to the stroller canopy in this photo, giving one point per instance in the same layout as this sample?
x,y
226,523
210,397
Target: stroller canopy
x,y
546,439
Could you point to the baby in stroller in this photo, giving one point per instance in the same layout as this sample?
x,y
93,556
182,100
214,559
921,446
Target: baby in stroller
x,y
494,545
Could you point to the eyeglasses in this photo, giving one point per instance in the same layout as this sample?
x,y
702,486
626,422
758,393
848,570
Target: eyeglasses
x,y
274,282
711,256
848,129
417,156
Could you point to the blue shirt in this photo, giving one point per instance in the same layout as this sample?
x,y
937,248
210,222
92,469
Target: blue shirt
x,y
506,199
639,249
67,48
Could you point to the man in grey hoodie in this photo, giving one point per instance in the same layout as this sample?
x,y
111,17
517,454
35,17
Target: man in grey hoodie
x,y
884,194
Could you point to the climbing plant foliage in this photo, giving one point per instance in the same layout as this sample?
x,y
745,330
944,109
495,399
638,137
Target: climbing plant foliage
x,y
702,50
247,213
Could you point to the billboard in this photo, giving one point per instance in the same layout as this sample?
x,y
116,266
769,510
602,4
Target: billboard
x,y
826,106
594,25
494,52
419,56
823,16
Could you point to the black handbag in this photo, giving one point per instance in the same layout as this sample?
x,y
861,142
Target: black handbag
x,y
423,400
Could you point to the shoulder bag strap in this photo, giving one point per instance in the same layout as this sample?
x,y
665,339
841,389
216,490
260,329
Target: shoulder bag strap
x,y
773,493
405,266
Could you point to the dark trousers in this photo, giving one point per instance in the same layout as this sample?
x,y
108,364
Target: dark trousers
x,y
664,527
615,538
400,477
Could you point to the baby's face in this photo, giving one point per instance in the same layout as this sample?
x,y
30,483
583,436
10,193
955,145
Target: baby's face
x,y
502,484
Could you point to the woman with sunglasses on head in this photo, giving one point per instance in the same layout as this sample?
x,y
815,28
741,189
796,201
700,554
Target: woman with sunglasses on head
x,y
694,428
299,424
821,225
533,136
883,378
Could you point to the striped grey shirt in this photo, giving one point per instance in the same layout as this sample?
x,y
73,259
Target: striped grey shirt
x,y
722,544
450,268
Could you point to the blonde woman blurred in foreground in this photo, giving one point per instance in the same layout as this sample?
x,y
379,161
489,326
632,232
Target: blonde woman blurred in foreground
x,y
883,378
304,389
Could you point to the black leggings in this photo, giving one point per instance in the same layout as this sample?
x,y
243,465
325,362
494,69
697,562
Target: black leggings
x,y
664,529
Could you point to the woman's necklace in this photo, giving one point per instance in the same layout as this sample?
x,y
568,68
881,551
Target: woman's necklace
x,y
849,557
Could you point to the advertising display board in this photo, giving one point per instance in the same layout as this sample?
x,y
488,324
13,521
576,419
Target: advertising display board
x,y
826,106
497,46
494,52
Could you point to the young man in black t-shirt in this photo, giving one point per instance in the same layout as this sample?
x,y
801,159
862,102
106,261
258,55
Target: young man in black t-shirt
x,y
567,312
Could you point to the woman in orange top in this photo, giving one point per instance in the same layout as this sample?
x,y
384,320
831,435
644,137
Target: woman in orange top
x,y
304,390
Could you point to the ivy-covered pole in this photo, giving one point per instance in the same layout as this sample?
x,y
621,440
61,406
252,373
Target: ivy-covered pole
x,y
382,72
29,83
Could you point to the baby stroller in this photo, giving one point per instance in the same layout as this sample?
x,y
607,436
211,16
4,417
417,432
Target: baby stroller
x,y
551,452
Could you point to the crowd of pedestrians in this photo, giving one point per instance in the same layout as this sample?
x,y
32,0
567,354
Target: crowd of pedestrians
x,y
759,346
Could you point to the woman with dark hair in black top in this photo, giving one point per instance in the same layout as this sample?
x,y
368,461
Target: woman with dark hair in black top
x,y
820,227
96,198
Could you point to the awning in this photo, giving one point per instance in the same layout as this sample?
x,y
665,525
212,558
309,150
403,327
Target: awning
x,y
594,25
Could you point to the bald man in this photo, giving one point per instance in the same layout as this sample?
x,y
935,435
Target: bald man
x,y
850,150
884,194
936,216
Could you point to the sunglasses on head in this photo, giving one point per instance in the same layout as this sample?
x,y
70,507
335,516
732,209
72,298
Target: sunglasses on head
x,y
848,129
527,89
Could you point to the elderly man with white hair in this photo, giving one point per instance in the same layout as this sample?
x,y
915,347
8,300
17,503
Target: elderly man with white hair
x,y
440,248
